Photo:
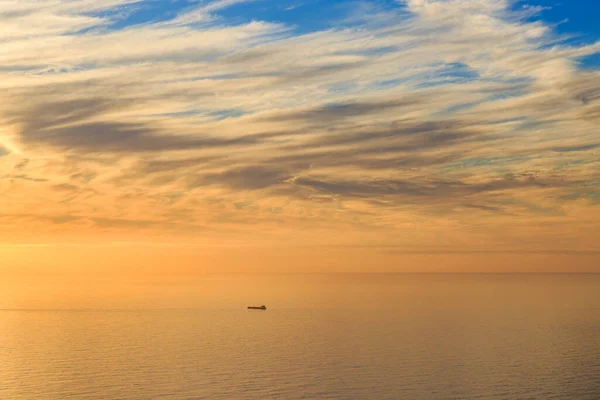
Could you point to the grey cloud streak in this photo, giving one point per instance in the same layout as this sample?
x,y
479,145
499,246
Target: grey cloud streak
x,y
414,188
333,112
70,125
247,178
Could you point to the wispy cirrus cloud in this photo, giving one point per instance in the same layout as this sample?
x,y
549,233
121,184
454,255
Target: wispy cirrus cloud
x,y
463,116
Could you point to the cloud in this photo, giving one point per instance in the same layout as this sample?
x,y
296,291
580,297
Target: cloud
x,y
72,125
24,178
447,190
247,178
65,187
583,147
333,112
436,113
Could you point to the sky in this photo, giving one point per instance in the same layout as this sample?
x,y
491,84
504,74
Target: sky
x,y
171,137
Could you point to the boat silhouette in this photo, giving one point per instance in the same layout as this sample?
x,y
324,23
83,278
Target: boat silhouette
x,y
257,308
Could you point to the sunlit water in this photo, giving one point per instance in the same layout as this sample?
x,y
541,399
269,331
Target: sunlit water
x,y
322,337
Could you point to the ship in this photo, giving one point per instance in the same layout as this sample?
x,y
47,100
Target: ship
x,y
263,307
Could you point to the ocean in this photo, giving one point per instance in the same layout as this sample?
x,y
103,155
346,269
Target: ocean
x,y
323,336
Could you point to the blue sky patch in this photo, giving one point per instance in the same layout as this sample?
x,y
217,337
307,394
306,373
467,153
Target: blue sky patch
x,y
578,19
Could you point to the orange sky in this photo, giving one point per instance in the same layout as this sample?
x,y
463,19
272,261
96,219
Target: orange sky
x,y
444,138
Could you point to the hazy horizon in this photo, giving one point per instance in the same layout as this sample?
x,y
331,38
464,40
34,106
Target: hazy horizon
x,y
325,336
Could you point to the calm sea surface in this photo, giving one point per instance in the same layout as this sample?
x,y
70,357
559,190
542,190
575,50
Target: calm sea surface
x,y
372,336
